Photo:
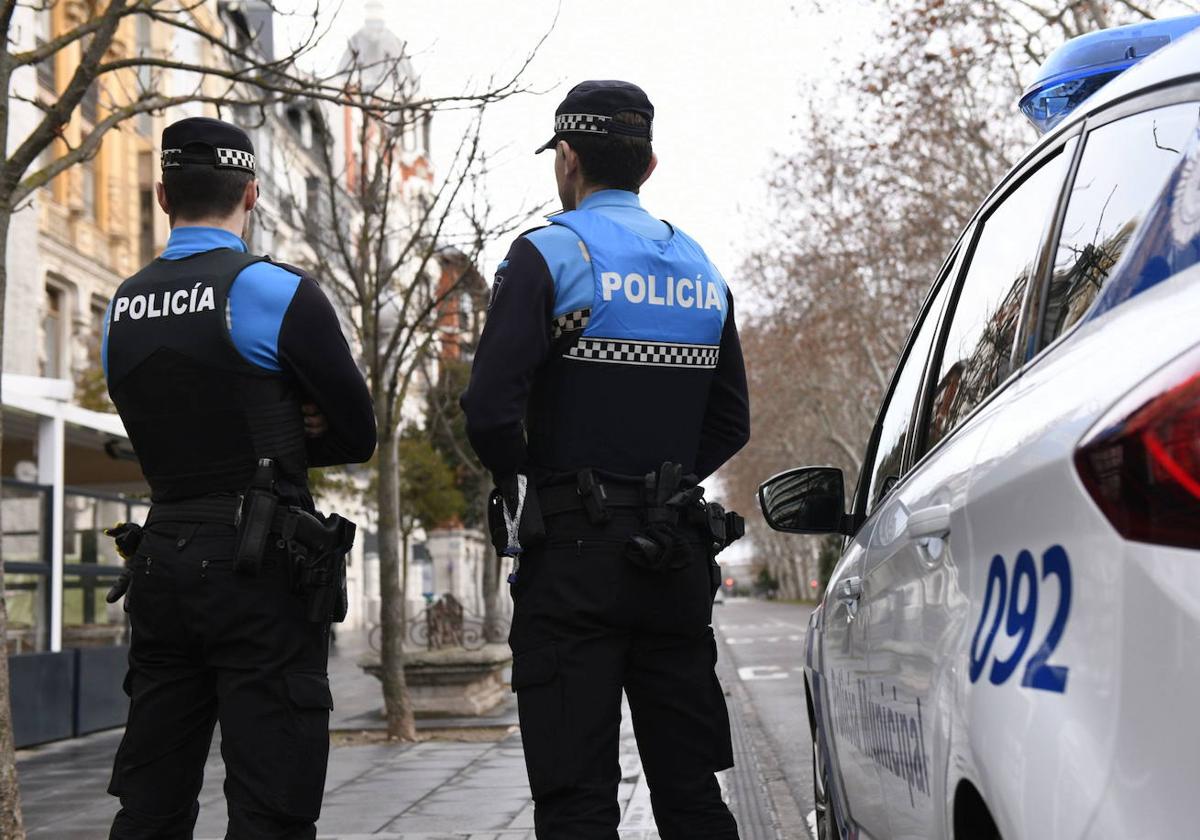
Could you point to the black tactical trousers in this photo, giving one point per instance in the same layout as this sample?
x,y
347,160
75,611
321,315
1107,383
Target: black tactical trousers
x,y
210,645
588,623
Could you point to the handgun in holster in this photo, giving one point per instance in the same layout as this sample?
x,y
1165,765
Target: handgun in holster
x,y
318,546
255,518
670,496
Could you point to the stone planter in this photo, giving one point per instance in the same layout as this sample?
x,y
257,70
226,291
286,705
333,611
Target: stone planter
x,y
452,682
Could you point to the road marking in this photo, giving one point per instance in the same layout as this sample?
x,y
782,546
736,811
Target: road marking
x,y
761,672
753,640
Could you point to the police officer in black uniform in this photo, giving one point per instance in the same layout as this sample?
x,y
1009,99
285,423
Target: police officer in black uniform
x,y
608,382
232,377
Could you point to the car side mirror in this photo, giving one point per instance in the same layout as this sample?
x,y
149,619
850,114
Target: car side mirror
x,y
806,500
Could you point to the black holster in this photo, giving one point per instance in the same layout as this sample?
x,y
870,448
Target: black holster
x,y
672,500
255,519
318,546
670,497
531,530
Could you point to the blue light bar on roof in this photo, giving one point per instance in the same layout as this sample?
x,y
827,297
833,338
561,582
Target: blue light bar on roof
x,y
1085,64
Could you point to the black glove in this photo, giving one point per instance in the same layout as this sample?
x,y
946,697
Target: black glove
x,y
128,537
118,589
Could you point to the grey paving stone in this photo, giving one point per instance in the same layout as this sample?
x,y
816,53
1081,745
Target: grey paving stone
x,y
434,790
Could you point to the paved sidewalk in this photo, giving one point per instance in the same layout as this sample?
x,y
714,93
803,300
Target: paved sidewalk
x,y
433,790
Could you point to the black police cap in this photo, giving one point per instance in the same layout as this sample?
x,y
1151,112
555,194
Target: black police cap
x,y
589,108
203,141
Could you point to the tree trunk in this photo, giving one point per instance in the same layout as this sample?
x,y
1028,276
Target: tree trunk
x,y
11,823
493,625
396,703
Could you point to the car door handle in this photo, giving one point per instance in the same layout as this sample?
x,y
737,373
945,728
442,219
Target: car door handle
x,y
928,522
850,589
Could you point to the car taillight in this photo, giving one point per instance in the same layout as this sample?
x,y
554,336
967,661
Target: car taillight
x,y
1141,462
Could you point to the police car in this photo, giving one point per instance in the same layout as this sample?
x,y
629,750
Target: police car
x,y
1010,644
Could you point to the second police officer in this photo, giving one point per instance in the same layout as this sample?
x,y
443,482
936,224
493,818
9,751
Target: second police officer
x,y
232,377
608,382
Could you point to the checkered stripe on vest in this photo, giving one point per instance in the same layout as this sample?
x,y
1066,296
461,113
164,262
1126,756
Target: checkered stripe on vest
x,y
570,322
582,122
654,354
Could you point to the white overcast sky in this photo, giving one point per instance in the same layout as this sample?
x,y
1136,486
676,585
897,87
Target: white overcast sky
x,y
726,80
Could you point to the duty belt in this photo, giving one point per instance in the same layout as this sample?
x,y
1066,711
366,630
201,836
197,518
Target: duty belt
x,y
568,498
214,510
302,532
662,500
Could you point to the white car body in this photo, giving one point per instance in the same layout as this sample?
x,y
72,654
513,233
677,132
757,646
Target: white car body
x,y
926,704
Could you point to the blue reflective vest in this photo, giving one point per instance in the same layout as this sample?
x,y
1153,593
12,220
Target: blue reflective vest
x,y
654,302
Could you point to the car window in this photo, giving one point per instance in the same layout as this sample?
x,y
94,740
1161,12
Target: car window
x,y
1122,171
894,422
976,355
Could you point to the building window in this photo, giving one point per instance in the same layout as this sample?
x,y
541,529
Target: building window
x,y
87,188
146,201
45,67
91,388
314,216
145,77
89,106
53,321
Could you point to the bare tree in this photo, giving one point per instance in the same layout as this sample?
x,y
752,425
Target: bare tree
x,y
133,84
378,235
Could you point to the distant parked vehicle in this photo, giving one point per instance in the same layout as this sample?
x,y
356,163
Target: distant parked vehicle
x,y
1007,647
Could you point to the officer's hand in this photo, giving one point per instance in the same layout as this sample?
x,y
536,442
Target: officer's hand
x,y
315,423
127,536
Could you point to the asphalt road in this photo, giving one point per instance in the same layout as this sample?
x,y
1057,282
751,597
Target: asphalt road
x,y
763,649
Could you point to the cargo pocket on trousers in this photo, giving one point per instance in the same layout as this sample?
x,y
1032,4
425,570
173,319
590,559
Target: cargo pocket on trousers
x,y
540,702
311,701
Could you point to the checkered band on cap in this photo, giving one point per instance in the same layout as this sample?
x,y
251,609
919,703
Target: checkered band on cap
x,y
226,158
651,354
594,123
570,322
235,159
